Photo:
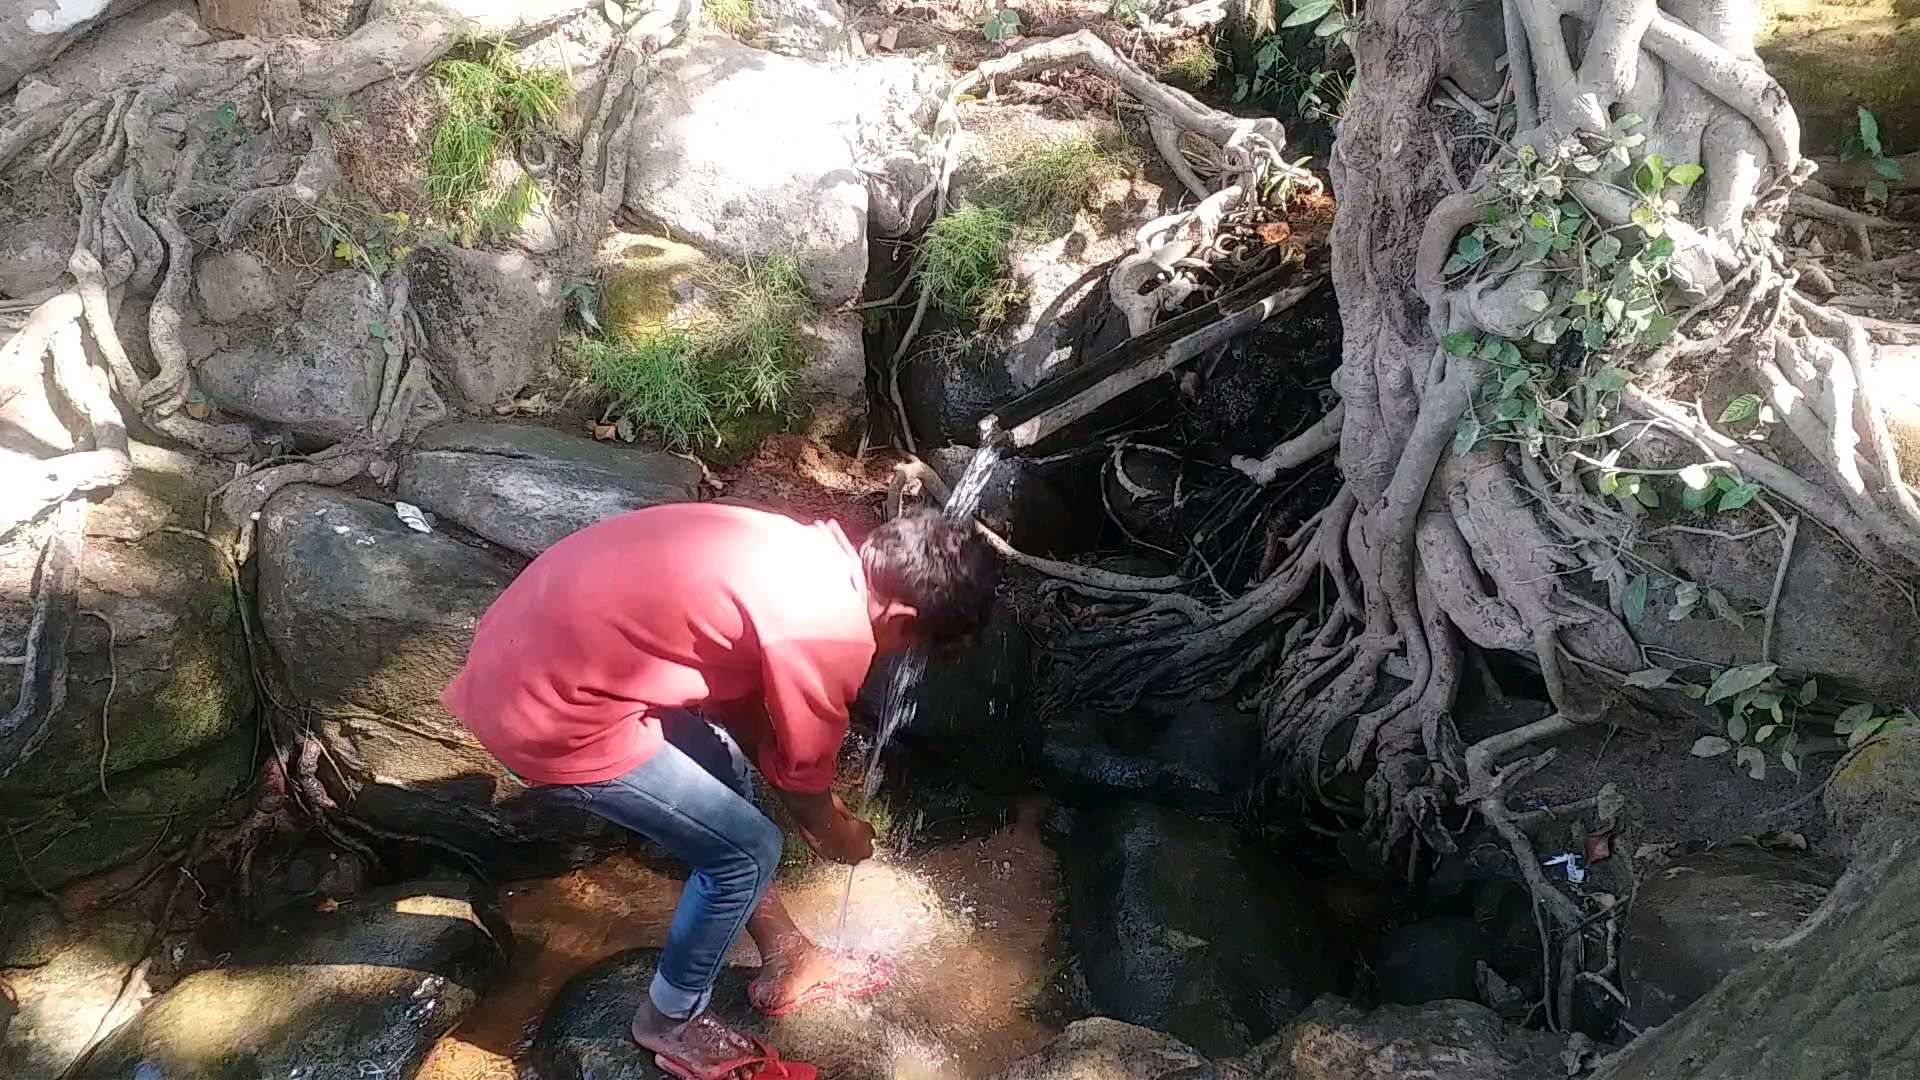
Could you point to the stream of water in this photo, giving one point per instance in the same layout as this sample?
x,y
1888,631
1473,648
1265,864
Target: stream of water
x,y
902,702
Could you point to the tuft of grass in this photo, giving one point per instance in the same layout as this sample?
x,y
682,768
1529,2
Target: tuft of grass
x,y
490,102
1050,180
965,266
692,384
733,16
1193,64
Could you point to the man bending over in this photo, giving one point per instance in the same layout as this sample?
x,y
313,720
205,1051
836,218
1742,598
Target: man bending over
x,y
582,675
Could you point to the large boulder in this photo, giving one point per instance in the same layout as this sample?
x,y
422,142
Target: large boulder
x,y
320,378
368,621
1838,618
1179,925
234,285
525,488
54,994
745,153
1697,920
33,32
1192,754
371,984
491,319
1444,1040
159,700
1106,1049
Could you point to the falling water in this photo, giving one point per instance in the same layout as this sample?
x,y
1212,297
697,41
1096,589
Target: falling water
x,y
902,703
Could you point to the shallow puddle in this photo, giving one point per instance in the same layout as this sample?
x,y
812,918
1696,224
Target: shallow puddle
x,y
967,927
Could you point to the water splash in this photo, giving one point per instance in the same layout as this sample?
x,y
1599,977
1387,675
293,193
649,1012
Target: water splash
x,y
902,703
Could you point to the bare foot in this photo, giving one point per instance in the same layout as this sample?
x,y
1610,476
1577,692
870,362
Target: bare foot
x,y
800,966
703,1044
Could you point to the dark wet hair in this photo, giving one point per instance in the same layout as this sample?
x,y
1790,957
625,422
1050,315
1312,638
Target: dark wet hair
x,y
940,566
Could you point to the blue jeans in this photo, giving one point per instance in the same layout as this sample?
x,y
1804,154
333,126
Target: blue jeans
x,y
694,797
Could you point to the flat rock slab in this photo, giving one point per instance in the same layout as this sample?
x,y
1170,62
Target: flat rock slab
x,y
584,1035
364,990
525,488
1443,1040
1104,1049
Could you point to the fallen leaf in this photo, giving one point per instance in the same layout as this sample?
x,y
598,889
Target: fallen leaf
x,y
604,432
1274,232
199,410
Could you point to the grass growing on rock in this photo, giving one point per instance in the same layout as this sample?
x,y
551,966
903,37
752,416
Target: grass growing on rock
x,y
491,102
735,17
1051,180
965,267
692,383
1193,64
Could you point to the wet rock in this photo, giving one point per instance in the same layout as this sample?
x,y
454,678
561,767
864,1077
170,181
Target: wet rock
x,y
233,285
1104,1049
320,378
584,1033
159,699
491,319
369,621
1018,501
1695,921
33,32
371,984
1192,754
946,388
1444,1040
1430,960
525,488
968,710
1873,799
700,166
1836,617
1180,926
814,29
33,255
30,932
49,1012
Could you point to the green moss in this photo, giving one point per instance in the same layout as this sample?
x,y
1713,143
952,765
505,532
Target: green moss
x,y
1048,182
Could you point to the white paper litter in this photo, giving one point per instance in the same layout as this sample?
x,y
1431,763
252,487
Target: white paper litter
x,y
413,517
1575,872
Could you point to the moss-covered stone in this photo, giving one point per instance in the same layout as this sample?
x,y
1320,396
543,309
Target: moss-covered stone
x,y
651,283
1833,56
57,840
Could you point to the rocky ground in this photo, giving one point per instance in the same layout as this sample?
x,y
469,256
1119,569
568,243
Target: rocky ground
x,y
249,842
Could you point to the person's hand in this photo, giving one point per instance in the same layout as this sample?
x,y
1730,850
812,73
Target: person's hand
x,y
843,838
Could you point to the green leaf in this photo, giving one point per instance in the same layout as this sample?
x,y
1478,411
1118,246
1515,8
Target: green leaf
x,y
1604,250
1331,25
1651,177
1851,718
1739,496
1723,608
1514,380
1877,191
1586,163
1889,168
1754,760
1626,122
1737,728
1661,247
1866,730
1693,690
1454,265
1611,802
1744,407
1609,483
1648,497
1470,247
1510,409
1584,297
1308,11
1466,435
1738,680
1634,604
1808,691
1766,732
1659,329
1651,679
1790,762
1610,380
1534,300
378,330
1649,220
1685,175
1869,131
1694,499
1710,746
1458,344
